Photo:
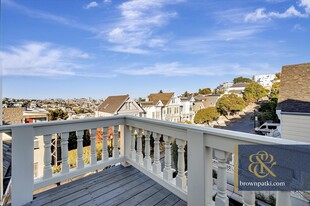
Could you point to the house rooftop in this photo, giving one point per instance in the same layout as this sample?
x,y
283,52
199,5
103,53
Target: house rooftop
x,y
112,104
294,93
164,97
239,85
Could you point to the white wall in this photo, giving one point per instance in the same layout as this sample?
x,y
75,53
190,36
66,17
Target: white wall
x,y
295,127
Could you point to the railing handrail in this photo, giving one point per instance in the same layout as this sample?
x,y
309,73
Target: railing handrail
x,y
183,127
258,139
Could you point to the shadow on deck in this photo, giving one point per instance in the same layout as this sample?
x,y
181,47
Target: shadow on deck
x,y
114,186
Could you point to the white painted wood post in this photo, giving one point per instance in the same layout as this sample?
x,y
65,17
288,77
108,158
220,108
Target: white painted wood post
x,y
283,198
125,144
133,142
196,188
22,165
147,159
167,172
115,142
139,157
156,164
181,178
209,176
221,198
105,153
64,152
79,162
47,171
93,154
248,198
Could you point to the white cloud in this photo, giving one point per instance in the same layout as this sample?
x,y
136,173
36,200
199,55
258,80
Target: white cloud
x,y
290,12
306,4
92,4
107,1
258,14
135,31
261,14
41,59
177,69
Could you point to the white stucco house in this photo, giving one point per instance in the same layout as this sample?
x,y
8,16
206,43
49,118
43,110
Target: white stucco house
x,y
266,80
187,108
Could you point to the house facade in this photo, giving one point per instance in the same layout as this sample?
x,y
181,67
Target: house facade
x,y
187,109
237,89
119,105
266,80
163,106
293,107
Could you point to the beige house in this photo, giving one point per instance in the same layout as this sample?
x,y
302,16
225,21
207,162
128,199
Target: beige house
x,y
293,107
118,105
163,106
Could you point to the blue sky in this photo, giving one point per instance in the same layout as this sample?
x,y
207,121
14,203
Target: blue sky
x,y
71,48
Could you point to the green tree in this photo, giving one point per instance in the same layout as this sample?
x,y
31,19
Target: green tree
x,y
206,115
58,114
241,80
205,91
254,92
267,111
186,94
230,104
274,94
160,91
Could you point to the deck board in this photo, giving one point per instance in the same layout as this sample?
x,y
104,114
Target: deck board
x,y
113,186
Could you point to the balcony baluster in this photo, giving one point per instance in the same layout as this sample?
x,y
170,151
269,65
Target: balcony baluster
x,y
47,156
93,156
105,153
115,142
167,170
181,178
147,159
64,153
80,161
139,157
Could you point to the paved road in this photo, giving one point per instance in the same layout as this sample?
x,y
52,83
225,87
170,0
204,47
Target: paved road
x,y
244,124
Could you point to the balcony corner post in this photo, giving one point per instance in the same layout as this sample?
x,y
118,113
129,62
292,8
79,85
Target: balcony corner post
x,y
22,161
248,198
196,168
125,144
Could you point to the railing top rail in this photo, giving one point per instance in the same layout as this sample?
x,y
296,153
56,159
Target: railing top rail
x,y
171,125
6,128
218,132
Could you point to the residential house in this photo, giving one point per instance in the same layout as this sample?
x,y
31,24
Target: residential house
x,y
293,107
163,106
205,101
266,80
222,88
187,108
119,105
237,89
21,115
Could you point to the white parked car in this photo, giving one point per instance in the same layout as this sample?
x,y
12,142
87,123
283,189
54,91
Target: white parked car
x,y
266,128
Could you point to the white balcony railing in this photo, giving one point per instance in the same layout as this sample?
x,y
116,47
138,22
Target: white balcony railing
x,y
196,187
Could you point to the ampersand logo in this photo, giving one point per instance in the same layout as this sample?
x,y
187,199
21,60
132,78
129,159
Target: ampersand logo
x,y
261,164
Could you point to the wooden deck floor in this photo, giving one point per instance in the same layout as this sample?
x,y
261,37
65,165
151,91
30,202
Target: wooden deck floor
x,y
113,186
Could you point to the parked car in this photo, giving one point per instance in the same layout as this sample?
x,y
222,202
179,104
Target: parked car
x,y
266,128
